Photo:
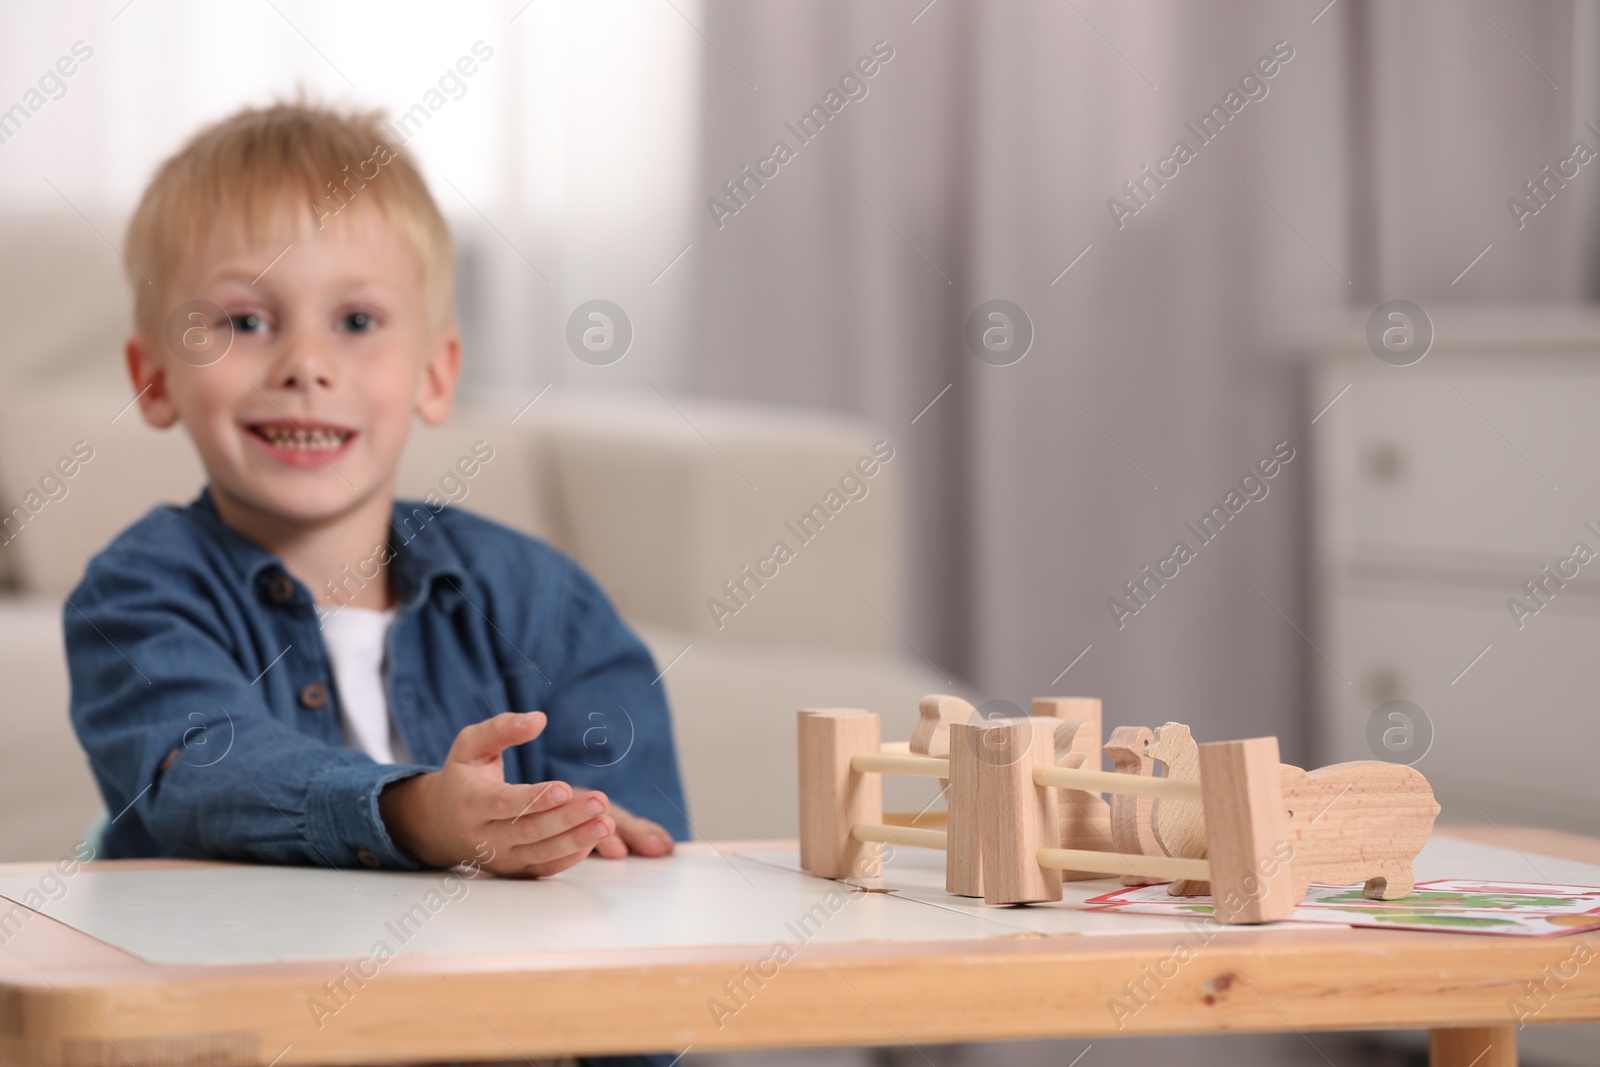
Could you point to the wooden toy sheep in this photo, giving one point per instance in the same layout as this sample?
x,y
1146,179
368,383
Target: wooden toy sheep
x,y
1362,821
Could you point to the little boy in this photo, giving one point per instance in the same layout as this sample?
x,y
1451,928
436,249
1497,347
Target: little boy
x,y
239,697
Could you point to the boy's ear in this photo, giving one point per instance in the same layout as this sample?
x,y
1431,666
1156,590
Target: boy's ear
x,y
437,390
149,381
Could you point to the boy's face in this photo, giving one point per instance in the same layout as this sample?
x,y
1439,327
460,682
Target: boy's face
x,y
334,349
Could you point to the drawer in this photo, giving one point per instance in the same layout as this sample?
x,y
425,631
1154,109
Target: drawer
x,y
1513,738
1473,455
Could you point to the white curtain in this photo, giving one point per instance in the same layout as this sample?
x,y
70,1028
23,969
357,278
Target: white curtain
x,y
979,167
1460,107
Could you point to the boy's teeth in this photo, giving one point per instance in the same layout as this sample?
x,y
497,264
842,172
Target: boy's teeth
x,y
288,437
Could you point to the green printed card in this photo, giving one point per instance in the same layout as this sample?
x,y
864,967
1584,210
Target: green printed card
x,y
1514,909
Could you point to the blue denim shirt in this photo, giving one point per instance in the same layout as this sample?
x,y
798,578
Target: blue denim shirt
x,y
203,694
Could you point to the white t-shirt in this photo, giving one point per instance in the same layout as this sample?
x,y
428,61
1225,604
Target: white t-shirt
x,y
356,638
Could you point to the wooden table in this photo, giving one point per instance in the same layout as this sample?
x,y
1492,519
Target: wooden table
x,y
68,999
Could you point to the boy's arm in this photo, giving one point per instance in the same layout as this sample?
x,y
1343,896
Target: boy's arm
x,y
609,728
181,739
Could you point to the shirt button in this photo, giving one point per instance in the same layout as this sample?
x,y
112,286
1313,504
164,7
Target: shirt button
x,y
368,858
280,590
313,695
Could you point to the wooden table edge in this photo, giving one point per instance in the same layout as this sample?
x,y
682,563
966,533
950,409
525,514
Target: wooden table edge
x,y
98,997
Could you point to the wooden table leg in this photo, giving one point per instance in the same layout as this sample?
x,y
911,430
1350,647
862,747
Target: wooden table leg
x,y
1475,1046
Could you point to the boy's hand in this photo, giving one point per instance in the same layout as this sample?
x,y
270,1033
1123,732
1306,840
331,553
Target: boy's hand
x,y
466,812
635,834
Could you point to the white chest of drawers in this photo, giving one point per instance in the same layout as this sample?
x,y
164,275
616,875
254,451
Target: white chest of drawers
x,y
1442,489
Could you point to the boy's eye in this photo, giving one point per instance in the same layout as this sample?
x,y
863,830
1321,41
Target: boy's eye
x,y
248,322
358,322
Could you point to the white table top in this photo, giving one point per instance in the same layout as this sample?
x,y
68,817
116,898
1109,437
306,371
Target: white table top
x,y
249,915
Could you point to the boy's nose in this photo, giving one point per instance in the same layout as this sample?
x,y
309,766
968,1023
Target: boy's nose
x,y
296,377
303,367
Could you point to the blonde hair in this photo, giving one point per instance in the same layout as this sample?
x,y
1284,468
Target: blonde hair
x,y
246,170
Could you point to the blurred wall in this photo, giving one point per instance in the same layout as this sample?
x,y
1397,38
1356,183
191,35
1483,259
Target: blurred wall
x,y
985,161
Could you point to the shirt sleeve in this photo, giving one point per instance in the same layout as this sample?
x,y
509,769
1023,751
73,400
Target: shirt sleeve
x,y
180,739
609,727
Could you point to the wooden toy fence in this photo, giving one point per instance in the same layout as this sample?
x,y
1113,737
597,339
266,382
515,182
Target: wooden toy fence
x,y
1269,829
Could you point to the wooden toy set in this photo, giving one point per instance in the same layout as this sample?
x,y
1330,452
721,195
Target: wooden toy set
x,y
1024,809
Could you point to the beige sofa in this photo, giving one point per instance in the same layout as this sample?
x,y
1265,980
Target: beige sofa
x,y
663,503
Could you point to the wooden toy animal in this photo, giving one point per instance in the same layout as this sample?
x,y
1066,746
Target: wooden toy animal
x,y
1179,825
1357,821
1133,817
1361,821
1083,816
936,713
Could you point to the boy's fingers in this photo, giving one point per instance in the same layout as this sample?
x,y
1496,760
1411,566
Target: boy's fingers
x,y
508,865
516,801
579,840
643,836
554,867
612,848
482,742
538,826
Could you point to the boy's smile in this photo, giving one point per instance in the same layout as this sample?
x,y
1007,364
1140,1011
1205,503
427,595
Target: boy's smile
x,y
301,442
335,346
